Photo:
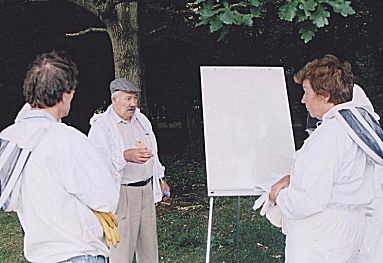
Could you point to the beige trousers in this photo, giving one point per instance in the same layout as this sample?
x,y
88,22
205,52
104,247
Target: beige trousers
x,y
136,217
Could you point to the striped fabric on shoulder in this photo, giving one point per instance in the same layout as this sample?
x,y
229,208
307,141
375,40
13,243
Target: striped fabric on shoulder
x,y
12,162
364,130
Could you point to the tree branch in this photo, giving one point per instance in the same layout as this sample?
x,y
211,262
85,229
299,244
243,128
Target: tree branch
x,y
83,32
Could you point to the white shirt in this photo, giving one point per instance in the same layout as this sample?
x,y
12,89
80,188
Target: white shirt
x,y
64,179
106,137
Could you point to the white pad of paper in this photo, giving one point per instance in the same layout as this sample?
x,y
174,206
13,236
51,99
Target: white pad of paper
x,y
247,128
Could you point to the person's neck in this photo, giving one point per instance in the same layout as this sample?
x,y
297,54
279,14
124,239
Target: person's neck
x,y
53,111
327,107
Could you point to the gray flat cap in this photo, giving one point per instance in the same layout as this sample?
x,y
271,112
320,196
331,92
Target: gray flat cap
x,y
123,85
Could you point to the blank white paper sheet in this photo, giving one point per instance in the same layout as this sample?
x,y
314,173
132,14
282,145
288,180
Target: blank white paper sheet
x,y
247,127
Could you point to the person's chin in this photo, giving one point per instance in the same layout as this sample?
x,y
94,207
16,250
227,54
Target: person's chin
x,y
130,113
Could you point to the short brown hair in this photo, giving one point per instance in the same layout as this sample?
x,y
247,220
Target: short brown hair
x,y
328,77
49,76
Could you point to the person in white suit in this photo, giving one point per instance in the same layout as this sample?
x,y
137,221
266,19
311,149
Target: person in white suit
x,y
64,181
335,178
126,139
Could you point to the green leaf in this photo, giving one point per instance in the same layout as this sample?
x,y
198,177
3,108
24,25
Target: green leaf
x,y
215,25
238,17
306,34
256,3
207,11
223,33
247,20
288,11
341,6
203,22
231,17
319,17
308,6
302,16
255,12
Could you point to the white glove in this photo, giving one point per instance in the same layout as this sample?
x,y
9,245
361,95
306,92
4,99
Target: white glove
x,y
273,212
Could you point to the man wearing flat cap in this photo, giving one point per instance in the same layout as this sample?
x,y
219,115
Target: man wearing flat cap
x,y
125,137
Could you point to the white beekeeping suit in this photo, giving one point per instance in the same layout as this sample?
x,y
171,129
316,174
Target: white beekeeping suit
x,y
372,246
301,212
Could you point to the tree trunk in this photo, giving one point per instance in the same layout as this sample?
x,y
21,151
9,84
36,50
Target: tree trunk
x,y
123,30
121,21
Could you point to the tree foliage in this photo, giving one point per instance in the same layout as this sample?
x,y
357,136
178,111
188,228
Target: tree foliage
x,y
308,15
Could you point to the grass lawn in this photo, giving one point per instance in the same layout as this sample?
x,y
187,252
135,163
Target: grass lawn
x,y
11,243
182,224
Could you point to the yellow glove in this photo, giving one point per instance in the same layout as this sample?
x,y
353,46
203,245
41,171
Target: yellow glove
x,y
109,225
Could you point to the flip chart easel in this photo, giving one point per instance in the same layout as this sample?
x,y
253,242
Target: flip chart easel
x,y
247,130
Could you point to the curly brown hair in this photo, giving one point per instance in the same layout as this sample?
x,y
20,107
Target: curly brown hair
x,y
49,76
328,77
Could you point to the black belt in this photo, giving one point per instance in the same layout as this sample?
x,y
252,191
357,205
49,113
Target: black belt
x,y
140,183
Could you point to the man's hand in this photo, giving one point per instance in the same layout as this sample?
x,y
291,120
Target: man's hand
x,y
137,155
109,226
278,186
165,189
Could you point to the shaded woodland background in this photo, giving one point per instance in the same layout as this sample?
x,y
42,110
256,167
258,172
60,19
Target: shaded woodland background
x,y
172,50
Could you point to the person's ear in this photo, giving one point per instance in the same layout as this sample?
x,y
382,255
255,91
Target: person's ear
x,y
326,99
114,99
65,97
